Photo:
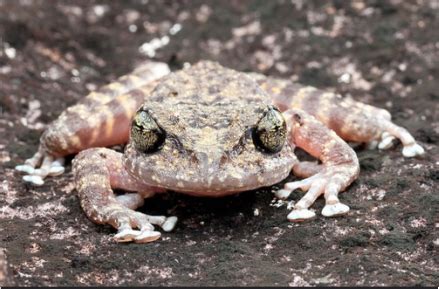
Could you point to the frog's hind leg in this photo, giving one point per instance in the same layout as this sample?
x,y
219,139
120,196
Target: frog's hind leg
x,y
351,120
392,131
357,121
97,172
100,119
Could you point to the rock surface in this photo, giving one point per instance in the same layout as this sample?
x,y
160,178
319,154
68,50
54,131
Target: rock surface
x,y
385,53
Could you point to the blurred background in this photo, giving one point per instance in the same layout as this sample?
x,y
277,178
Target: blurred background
x,y
385,53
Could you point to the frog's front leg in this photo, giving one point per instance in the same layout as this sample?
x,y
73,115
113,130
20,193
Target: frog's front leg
x,y
97,172
100,119
338,170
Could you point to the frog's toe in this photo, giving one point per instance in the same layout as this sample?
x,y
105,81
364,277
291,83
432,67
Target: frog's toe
x,y
35,180
292,186
412,150
50,167
169,224
147,236
333,210
299,215
39,167
129,219
139,236
282,194
386,141
57,167
25,169
126,235
166,223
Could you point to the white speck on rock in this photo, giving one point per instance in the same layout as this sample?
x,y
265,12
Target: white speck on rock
x,y
100,10
252,28
381,194
10,52
150,48
418,223
132,28
277,203
298,281
5,69
203,14
175,28
345,78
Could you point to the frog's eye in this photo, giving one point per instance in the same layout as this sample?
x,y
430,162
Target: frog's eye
x,y
269,135
146,134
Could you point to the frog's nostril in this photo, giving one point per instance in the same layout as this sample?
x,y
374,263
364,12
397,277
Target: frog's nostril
x,y
202,159
206,163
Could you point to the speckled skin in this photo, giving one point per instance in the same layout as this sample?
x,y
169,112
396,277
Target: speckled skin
x,y
208,113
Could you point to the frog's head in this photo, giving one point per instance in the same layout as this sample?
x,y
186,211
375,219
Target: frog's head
x,y
205,140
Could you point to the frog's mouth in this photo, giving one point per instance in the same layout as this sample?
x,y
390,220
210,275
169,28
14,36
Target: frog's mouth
x,y
202,176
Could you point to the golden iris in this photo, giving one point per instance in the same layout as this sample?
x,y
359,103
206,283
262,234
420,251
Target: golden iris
x,y
146,135
269,135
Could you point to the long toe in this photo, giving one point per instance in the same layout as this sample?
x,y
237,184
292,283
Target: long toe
x,y
56,171
25,169
386,141
282,194
57,167
35,180
299,215
412,150
169,224
126,235
147,236
335,210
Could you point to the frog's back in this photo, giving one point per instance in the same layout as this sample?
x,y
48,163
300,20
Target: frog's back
x,y
208,82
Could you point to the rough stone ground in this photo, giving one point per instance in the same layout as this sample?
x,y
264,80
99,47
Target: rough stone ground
x,y
381,52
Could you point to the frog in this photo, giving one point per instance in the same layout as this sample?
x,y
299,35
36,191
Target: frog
x,y
208,131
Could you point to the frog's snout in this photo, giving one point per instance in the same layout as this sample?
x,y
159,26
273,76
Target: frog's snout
x,y
207,163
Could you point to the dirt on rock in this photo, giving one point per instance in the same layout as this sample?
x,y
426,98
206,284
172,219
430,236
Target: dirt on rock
x,y
385,53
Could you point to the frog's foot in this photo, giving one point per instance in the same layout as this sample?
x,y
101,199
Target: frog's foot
x,y
126,220
40,166
134,200
391,132
328,183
